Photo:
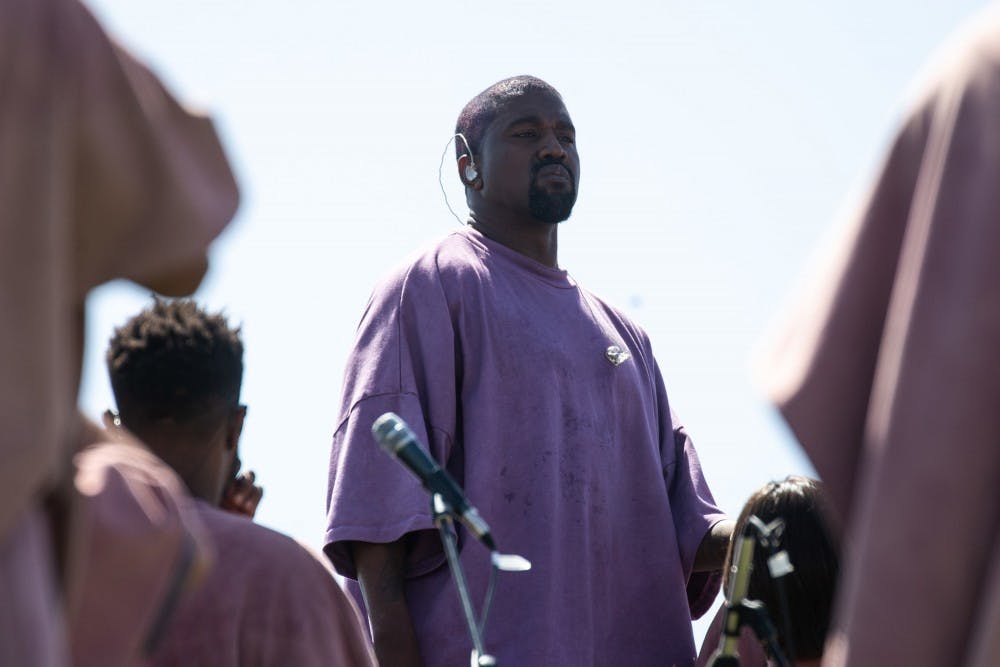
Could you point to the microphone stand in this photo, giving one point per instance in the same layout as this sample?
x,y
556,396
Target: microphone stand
x,y
442,513
754,614
741,611
448,503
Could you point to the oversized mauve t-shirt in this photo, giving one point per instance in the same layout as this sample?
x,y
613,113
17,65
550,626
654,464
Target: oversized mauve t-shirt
x,y
501,365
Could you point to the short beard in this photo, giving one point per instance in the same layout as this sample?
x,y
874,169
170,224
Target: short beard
x,y
550,207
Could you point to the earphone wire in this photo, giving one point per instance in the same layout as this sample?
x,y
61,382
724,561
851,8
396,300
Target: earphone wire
x,y
444,153
472,161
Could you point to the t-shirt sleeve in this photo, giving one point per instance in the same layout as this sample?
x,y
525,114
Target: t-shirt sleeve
x,y
691,503
695,512
404,362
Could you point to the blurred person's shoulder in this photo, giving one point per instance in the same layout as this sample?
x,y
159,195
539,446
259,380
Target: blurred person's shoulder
x,y
969,60
261,548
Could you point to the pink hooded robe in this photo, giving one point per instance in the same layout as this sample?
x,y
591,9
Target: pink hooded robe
x,y
888,372
102,175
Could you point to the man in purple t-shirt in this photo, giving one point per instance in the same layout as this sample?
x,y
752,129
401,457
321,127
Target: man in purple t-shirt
x,y
547,405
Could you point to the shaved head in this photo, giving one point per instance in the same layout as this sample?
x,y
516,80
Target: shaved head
x,y
483,109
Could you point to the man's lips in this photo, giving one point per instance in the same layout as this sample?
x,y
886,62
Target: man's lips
x,y
554,171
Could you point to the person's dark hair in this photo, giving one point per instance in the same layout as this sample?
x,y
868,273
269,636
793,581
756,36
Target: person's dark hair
x,y
174,361
802,504
483,109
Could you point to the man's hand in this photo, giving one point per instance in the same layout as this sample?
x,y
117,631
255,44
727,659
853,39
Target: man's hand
x,y
241,495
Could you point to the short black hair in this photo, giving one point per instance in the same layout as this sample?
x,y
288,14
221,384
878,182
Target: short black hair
x,y
802,504
483,109
174,361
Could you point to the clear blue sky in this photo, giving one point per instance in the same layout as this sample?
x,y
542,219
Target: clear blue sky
x,y
718,142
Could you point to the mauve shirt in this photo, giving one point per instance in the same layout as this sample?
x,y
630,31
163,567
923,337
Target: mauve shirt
x,y
266,601
500,365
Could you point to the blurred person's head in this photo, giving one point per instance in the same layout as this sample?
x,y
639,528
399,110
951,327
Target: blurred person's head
x,y
176,372
802,504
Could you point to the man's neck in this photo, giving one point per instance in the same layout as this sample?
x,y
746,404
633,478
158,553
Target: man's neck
x,y
537,240
203,492
191,463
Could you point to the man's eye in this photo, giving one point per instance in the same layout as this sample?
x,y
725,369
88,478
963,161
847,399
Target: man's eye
x,y
567,139
526,134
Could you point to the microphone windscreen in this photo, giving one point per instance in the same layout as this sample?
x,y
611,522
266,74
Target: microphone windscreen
x,y
390,431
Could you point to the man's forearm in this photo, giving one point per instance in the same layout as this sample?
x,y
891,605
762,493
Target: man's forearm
x,y
711,553
381,575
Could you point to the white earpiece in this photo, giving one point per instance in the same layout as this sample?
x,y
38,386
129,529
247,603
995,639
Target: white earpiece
x,y
470,172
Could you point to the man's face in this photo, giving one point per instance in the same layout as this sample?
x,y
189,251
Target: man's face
x,y
528,159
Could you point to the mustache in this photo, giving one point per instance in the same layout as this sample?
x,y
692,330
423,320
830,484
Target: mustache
x,y
538,166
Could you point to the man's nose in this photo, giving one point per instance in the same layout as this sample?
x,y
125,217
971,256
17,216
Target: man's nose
x,y
551,147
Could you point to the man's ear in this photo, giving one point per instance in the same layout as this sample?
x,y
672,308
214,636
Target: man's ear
x,y
235,427
468,172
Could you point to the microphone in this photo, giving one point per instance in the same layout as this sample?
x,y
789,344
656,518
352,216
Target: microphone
x,y
398,440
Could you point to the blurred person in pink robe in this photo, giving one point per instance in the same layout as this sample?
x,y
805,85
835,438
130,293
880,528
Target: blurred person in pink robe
x,y
103,175
176,373
888,372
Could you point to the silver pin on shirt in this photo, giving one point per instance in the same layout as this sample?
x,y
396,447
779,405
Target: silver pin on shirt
x,y
616,355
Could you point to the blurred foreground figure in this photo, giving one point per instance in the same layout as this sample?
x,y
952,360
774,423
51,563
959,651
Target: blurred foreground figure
x,y
176,372
889,374
102,175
